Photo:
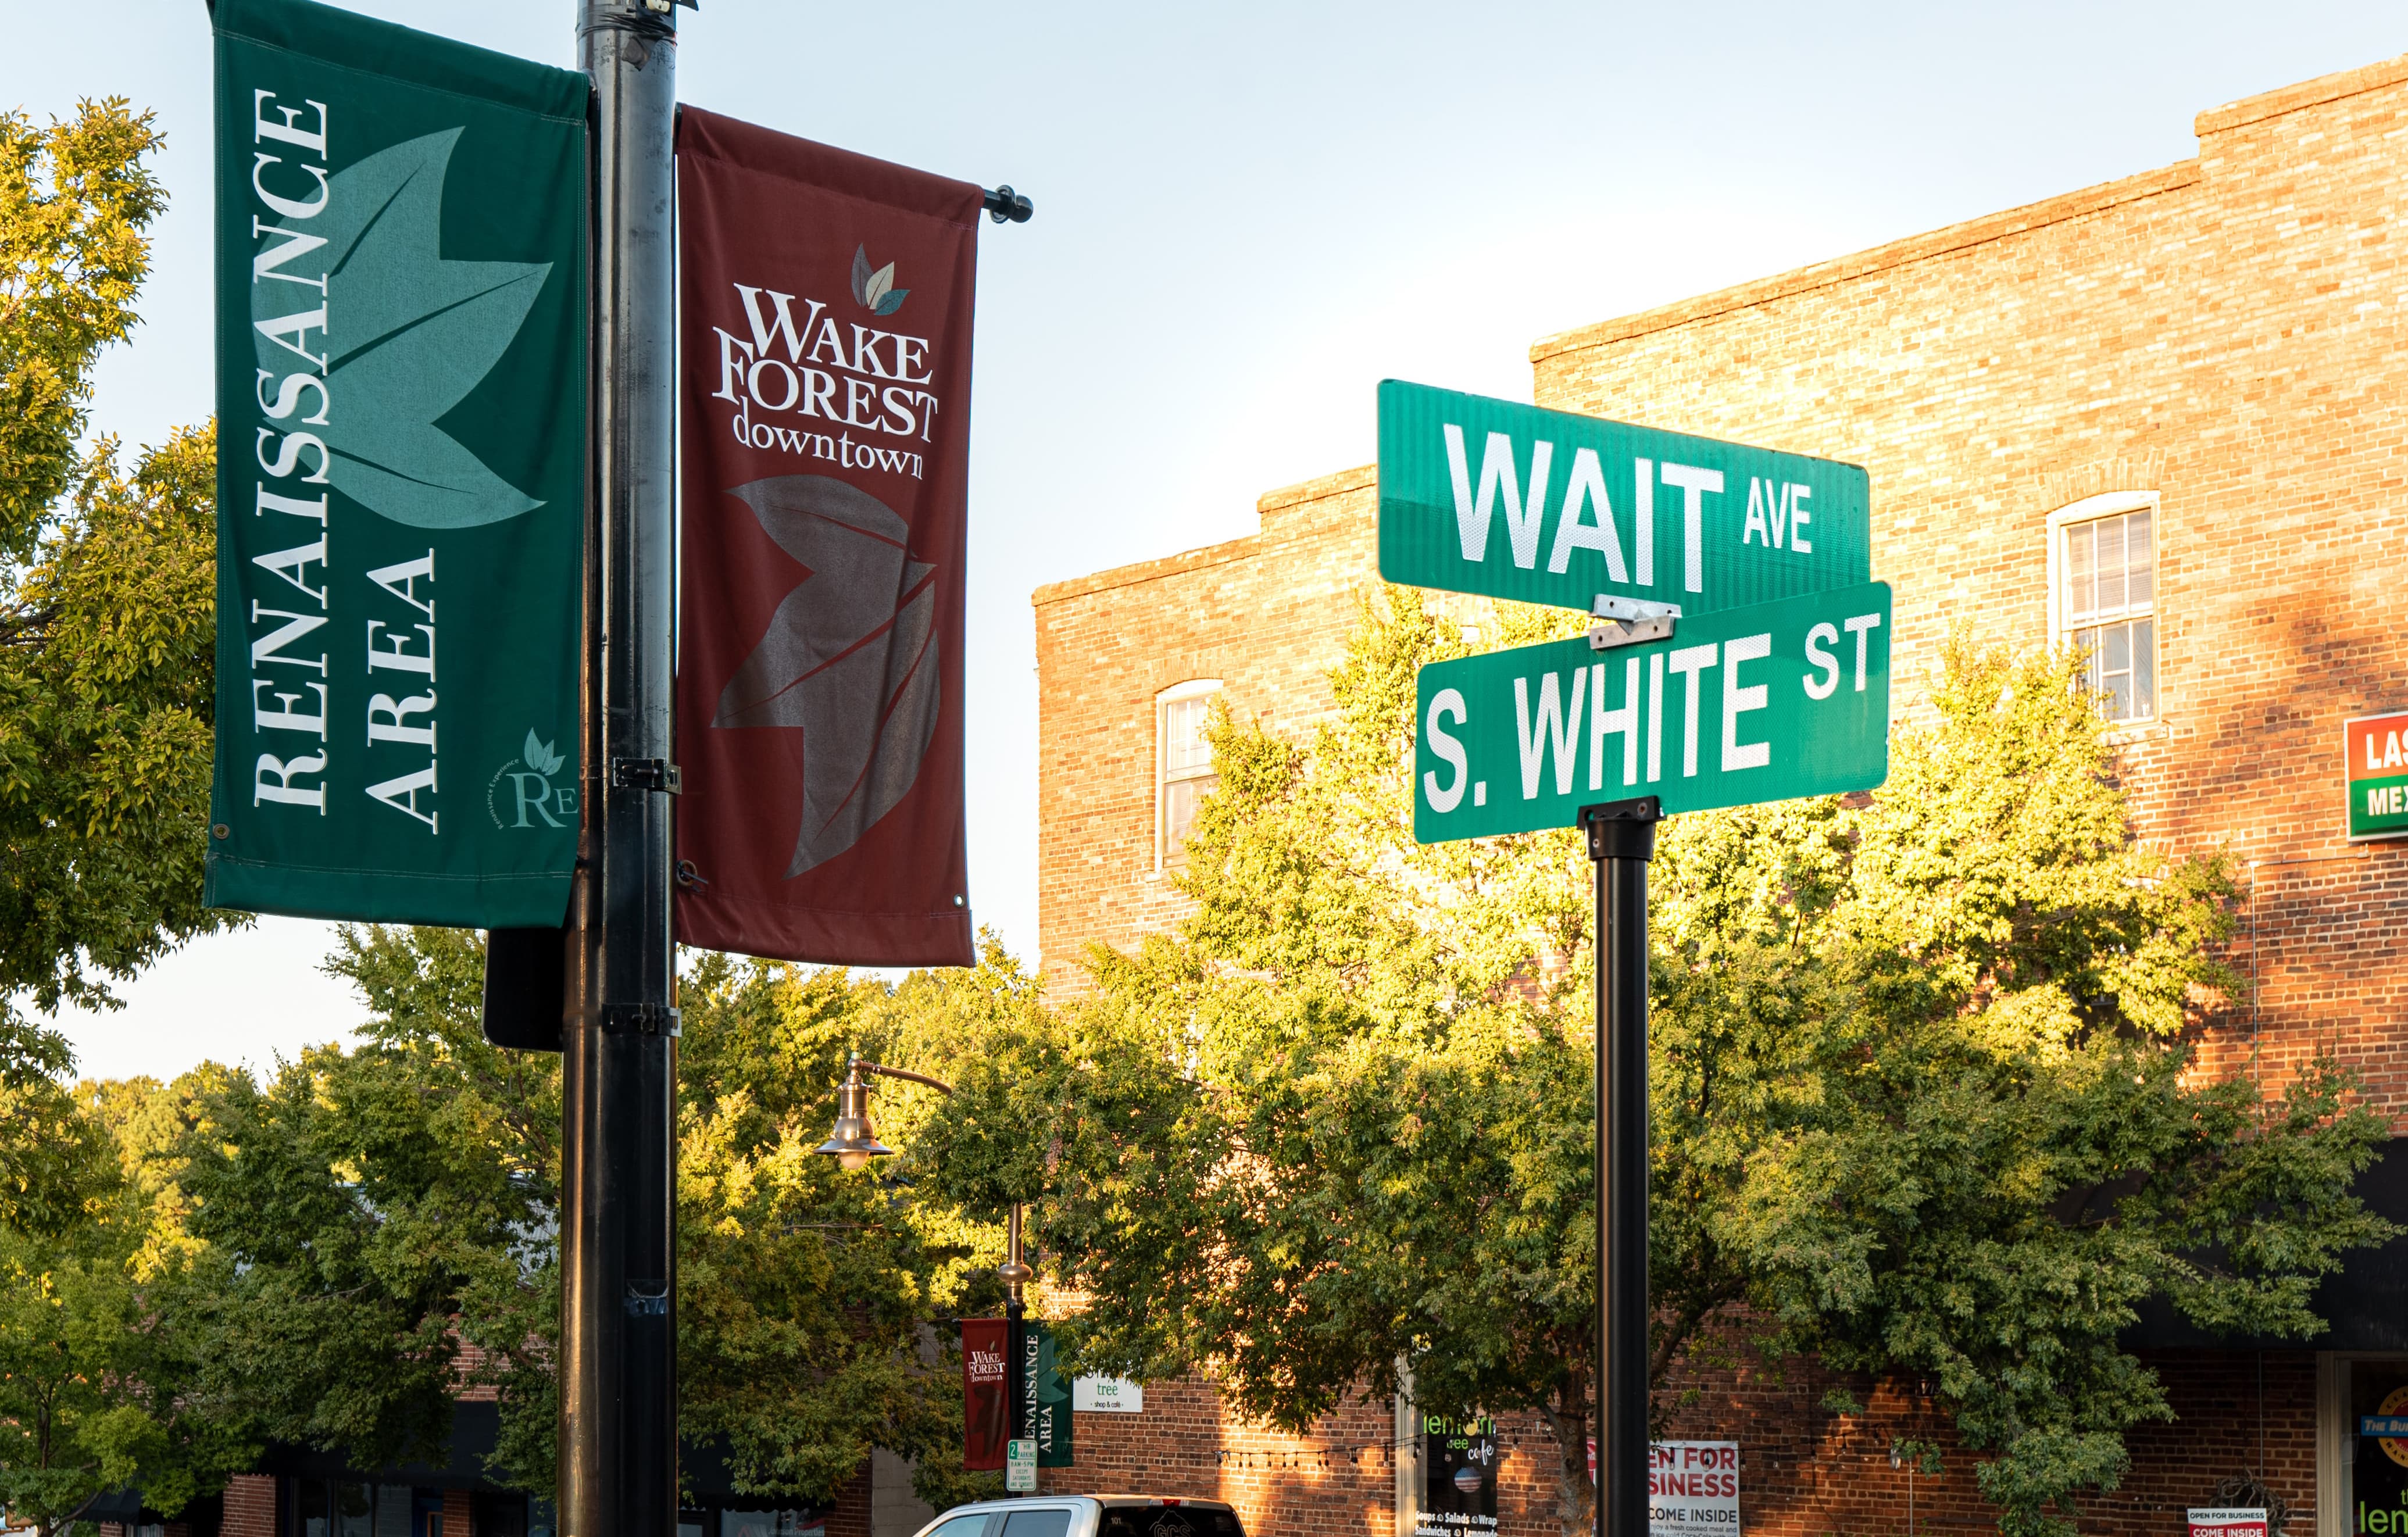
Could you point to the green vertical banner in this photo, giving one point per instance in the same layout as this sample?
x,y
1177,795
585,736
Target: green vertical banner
x,y
401,312
1045,1397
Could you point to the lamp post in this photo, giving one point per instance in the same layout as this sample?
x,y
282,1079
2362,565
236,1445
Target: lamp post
x,y
853,1145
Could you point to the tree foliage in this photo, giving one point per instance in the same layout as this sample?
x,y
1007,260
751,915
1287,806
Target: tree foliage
x,y
105,698
368,1212
100,1368
816,1305
107,613
106,610
75,199
1922,1094
107,584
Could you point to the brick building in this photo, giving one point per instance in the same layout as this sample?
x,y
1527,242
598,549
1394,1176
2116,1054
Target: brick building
x,y
2166,417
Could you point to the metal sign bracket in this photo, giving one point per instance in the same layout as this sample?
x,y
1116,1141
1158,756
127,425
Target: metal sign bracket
x,y
1627,621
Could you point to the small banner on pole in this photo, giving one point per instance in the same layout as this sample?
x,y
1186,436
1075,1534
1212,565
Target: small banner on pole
x,y
987,1406
826,306
1045,1397
401,407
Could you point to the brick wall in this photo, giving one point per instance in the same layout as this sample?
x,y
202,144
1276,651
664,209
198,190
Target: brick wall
x,y
2226,333
250,1506
1338,1477
1268,615
1805,1471
852,1513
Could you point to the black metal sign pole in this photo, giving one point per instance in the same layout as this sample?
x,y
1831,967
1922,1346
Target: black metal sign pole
x,y
618,1390
1622,841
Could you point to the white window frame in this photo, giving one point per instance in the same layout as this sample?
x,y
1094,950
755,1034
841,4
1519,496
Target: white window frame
x,y
1194,688
2090,510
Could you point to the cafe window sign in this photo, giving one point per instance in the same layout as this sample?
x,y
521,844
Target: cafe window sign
x,y
2363,1470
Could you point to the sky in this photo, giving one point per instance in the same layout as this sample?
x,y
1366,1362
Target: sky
x,y
1247,215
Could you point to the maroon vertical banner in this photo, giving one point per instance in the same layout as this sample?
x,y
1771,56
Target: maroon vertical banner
x,y
826,302
987,1409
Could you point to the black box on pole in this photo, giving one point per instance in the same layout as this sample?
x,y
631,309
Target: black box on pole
x,y
526,987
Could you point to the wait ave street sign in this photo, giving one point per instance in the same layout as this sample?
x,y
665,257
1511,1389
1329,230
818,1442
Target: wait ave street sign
x,y
1764,703
2377,774
1482,495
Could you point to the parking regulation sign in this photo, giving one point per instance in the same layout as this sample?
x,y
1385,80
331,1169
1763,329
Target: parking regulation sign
x,y
2377,774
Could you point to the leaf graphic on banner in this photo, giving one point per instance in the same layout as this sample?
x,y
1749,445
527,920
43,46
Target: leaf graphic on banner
x,y
850,657
408,334
876,291
540,756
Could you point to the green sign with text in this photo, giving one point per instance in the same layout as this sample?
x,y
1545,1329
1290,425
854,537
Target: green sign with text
x,y
1481,495
401,310
2374,749
1765,703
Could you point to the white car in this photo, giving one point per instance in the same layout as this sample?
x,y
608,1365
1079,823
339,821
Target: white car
x,y
1088,1516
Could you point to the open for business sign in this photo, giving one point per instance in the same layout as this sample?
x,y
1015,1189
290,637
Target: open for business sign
x,y
2377,774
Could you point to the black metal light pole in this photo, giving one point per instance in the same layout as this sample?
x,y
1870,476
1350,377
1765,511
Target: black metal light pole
x,y
1622,841
618,1399
853,1145
1016,1274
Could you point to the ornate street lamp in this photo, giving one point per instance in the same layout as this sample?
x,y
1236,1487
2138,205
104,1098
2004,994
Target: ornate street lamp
x,y
853,1145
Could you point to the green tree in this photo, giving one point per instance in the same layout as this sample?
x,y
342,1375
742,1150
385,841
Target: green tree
x,y
815,1306
1919,1068
368,1211
98,1367
107,584
107,609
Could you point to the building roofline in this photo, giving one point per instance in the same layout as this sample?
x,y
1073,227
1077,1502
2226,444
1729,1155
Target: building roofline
x,y
2294,98
1320,488
1974,231
1317,489
1863,264
1146,570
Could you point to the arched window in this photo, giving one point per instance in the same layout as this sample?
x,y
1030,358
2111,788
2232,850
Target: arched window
x,y
1182,766
2103,597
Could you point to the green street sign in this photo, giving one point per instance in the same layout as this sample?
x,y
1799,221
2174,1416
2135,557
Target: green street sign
x,y
1481,495
1764,703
